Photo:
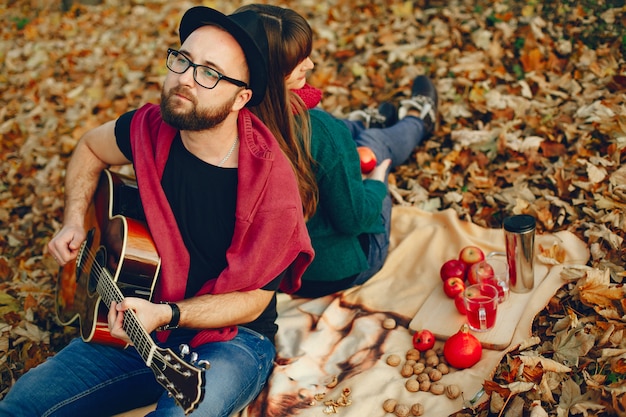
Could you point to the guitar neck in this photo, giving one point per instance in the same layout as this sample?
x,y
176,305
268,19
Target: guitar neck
x,y
184,382
109,292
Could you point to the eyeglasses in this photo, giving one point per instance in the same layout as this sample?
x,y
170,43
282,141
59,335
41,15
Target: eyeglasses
x,y
206,77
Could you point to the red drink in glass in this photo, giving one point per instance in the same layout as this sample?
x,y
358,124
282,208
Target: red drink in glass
x,y
481,304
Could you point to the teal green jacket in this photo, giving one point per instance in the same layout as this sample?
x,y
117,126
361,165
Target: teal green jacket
x,y
348,206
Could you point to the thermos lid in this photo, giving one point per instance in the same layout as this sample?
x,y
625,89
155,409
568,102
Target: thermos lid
x,y
519,223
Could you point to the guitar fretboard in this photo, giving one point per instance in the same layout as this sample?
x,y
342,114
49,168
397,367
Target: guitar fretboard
x,y
110,292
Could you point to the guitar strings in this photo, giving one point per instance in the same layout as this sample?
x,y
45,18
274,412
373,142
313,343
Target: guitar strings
x,y
133,323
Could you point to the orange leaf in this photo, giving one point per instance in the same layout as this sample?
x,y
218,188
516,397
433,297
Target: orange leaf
x,y
5,269
377,80
533,60
30,302
344,53
551,149
491,387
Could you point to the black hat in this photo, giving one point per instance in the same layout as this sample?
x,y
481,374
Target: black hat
x,y
247,29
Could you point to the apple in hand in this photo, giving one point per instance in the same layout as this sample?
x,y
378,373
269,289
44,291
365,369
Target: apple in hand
x,y
453,268
471,255
368,159
453,286
481,272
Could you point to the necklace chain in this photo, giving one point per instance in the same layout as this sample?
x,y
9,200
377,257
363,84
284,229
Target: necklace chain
x,y
230,152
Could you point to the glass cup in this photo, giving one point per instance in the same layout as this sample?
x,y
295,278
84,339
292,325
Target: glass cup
x,y
494,271
481,305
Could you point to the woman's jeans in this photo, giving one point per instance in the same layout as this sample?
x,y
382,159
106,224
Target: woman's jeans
x,y
90,379
396,143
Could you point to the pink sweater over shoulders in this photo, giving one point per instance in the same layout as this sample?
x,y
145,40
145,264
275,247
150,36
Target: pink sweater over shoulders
x,y
270,234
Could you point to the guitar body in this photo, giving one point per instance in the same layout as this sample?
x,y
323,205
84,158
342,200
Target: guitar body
x,y
118,242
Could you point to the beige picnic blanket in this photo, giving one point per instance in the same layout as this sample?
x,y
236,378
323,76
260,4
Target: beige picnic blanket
x,y
342,336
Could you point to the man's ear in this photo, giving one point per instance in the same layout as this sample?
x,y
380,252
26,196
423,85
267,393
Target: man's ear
x,y
243,97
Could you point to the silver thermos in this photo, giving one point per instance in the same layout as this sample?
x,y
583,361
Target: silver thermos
x,y
519,236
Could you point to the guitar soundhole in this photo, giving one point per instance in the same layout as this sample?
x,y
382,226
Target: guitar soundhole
x,y
99,264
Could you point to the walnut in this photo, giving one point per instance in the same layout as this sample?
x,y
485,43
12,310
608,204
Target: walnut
x,y
423,377
427,369
443,368
411,362
393,360
437,388
453,391
432,360
435,375
417,409
407,371
390,405
418,368
430,352
412,385
389,324
413,354
402,410
425,385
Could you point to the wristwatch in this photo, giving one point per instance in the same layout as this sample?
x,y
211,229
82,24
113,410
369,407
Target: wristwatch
x,y
173,324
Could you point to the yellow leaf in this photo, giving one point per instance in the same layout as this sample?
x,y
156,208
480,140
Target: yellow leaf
x,y
546,364
528,10
596,289
402,10
8,304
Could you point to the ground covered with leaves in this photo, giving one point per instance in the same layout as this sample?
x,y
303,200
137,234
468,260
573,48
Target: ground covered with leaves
x,y
533,120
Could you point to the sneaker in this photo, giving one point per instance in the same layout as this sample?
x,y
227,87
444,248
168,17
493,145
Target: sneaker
x,y
384,116
424,100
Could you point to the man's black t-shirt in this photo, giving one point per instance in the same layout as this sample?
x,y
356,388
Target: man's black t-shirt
x,y
203,198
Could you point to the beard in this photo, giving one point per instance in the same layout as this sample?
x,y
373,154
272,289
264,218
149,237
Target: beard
x,y
195,119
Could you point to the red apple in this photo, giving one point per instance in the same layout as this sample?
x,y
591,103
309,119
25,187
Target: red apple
x,y
471,254
453,268
459,303
481,272
368,159
453,286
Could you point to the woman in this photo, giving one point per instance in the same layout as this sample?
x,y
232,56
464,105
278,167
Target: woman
x,y
349,221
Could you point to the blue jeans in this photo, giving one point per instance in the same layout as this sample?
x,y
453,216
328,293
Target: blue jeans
x,y
396,142
90,379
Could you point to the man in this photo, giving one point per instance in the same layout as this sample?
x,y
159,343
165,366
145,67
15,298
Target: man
x,y
223,209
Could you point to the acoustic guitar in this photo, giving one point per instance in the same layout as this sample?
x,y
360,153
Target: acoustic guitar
x,y
119,259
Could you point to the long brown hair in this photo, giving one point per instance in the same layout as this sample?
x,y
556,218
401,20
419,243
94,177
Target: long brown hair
x,y
290,40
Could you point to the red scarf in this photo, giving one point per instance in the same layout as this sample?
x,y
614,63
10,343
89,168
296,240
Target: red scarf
x,y
310,95
270,235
